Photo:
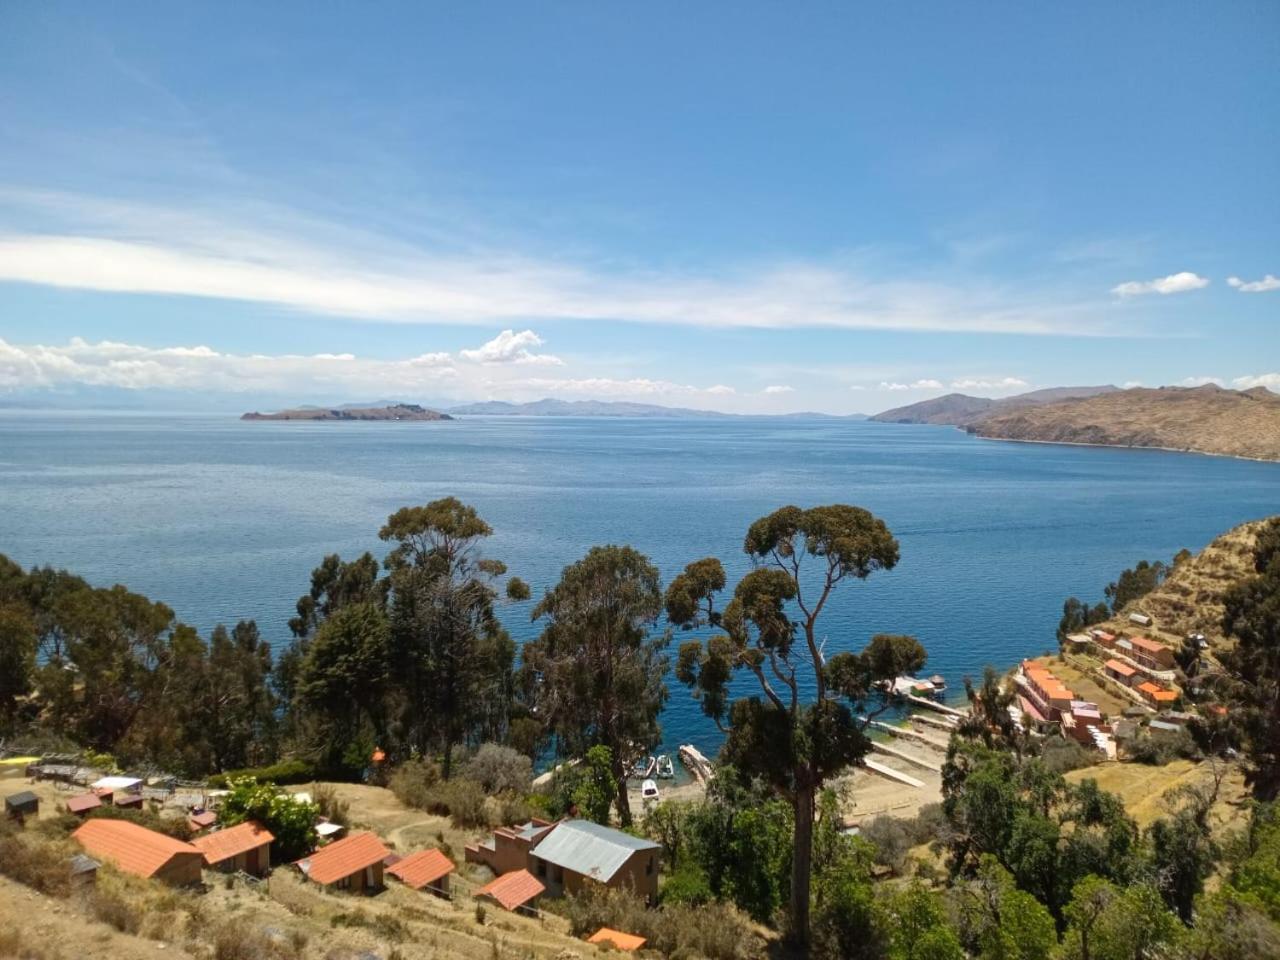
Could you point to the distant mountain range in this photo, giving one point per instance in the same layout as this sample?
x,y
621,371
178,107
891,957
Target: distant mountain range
x,y
961,410
1208,419
394,411
600,408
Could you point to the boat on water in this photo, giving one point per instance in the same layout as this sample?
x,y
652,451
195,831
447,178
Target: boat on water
x,y
666,769
905,686
644,767
648,791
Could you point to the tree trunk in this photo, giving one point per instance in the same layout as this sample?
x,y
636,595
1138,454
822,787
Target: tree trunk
x,y
446,768
802,864
624,801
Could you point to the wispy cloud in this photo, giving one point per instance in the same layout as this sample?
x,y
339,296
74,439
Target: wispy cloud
x,y
1198,381
777,388
1174,283
1265,285
118,248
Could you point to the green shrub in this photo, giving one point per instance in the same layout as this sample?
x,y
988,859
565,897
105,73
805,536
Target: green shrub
x,y
413,782
500,769
284,773
687,885
714,930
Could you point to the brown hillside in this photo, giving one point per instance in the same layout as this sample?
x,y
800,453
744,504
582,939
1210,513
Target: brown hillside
x,y
1190,600
1205,419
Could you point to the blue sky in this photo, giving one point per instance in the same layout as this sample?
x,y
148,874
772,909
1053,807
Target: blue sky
x,y
749,206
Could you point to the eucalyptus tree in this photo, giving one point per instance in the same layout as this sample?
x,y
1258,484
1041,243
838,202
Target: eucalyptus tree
x,y
453,658
807,722
594,675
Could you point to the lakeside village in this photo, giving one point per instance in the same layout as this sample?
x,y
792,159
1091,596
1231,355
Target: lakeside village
x,y
1124,756
1123,690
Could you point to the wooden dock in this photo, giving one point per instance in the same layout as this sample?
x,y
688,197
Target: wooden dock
x,y
698,764
912,735
934,705
889,773
906,757
936,723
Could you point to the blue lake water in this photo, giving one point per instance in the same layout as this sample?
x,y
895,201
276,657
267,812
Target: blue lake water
x,y
224,520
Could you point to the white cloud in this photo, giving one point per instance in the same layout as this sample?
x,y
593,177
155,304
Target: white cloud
x,y
776,388
92,244
1269,380
1265,285
1002,383
512,347
1198,381
336,376
1174,283
1130,384
915,385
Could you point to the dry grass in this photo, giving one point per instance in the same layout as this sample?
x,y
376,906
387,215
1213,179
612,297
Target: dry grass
x,y
1190,600
1143,788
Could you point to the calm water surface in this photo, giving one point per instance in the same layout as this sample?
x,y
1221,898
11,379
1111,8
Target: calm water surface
x,y
224,520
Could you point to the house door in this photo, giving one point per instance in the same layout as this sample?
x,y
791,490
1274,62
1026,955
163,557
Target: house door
x,y
251,863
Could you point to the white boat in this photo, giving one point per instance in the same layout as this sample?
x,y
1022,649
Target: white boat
x,y
666,769
648,791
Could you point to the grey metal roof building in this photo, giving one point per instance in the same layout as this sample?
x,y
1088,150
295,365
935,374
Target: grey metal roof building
x,y
589,849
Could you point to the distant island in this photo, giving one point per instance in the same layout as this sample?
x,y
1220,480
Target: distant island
x,y
397,411
1208,419
961,410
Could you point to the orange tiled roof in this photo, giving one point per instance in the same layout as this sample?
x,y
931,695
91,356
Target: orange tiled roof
x,y
1164,696
421,868
83,803
512,889
1121,668
132,848
623,941
1148,687
205,818
1142,643
232,841
343,857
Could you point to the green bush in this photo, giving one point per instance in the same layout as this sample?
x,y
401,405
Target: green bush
x,y
284,773
500,769
687,885
418,784
714,930
413,782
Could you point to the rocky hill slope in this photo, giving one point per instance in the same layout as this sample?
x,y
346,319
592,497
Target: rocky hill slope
x,y
960,410
1208,419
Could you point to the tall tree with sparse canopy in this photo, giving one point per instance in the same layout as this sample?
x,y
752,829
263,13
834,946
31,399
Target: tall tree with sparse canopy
x,y
595,673
802,729
453,659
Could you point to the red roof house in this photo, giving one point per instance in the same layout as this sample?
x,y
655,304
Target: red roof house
x,y
140,851
246,846
352,863
513,891
426,868
82,804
